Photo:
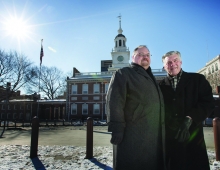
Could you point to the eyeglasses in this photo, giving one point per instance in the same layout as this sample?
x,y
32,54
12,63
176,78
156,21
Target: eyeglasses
x,y
143,55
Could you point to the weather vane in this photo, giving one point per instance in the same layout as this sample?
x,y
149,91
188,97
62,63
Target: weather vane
x,y
119,20
119,17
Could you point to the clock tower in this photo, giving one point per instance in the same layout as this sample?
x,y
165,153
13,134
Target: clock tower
x,y
120,53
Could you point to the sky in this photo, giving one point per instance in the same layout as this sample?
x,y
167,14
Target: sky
x,y
80,33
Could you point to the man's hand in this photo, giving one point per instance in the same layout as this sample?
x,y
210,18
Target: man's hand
x,y
183,132
116,138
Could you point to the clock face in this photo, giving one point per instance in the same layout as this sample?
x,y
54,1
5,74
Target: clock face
x,y
120,58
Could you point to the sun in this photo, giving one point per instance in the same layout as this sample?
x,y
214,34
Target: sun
x,y
16,27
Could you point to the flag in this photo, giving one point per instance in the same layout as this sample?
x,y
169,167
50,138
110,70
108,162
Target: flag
x,y
41,52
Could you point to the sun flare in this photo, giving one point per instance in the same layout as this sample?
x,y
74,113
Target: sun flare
x,y
16,27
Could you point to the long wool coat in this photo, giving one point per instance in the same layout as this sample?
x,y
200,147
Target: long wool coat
x,y
193,97
135,107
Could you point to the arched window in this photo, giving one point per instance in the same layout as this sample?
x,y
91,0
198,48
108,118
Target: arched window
x,y
119,43
115,43
209,70
124,43
212,69
216,66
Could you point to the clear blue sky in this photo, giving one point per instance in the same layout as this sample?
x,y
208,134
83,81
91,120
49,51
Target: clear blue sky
x,y
80,33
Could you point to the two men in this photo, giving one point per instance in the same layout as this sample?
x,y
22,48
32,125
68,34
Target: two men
x,y
188,101
135,116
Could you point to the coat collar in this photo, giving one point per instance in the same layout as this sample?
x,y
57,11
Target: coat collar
x,y
185,78
140,70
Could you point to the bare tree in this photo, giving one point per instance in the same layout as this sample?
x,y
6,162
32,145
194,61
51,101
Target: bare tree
x,y
50,81
16,69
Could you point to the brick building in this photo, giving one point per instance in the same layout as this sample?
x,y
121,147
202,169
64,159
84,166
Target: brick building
x,y
86,92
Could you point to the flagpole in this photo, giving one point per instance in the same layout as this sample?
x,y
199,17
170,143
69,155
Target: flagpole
x,y
41,55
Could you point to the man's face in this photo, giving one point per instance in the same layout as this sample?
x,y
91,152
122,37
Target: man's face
x,y
142,57
172,64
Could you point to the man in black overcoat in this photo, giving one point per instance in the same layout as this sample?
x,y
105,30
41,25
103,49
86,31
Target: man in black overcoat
x,y
188,102
135,116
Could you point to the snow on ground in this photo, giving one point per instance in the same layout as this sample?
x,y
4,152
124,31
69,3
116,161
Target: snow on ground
x,y
16,157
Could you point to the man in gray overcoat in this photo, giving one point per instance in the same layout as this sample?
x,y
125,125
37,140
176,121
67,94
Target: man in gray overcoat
x,y
135,116
188,102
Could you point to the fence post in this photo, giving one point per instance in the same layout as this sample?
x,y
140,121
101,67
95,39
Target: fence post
x,y
216,130
89,139
34,137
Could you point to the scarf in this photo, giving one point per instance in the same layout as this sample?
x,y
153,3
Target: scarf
x,y
174,80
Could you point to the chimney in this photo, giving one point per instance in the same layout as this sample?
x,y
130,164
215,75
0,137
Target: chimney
x,y
75,71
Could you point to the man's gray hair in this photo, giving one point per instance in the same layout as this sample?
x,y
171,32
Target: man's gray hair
x,y
171,53
140,46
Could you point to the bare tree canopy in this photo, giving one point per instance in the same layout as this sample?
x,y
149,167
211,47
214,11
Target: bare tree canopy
x,y
16,69
50,81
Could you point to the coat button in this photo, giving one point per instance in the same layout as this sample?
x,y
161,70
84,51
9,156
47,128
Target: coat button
x,y
176,114
174,99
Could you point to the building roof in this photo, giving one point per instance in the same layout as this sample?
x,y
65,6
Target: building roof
x,y
108,75
120,35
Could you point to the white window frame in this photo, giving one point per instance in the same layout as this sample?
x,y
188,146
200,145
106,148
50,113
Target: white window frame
x,y
74,89
96,88
20,115
8,115
84,109
96,109
73,98
14,115
85,88
85,98
2,115
73,107
96,97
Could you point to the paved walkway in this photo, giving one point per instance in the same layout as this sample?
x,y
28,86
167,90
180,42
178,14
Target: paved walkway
x,y
56,136
73,136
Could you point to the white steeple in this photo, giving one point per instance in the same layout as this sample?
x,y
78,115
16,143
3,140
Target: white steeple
x,y
120,53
